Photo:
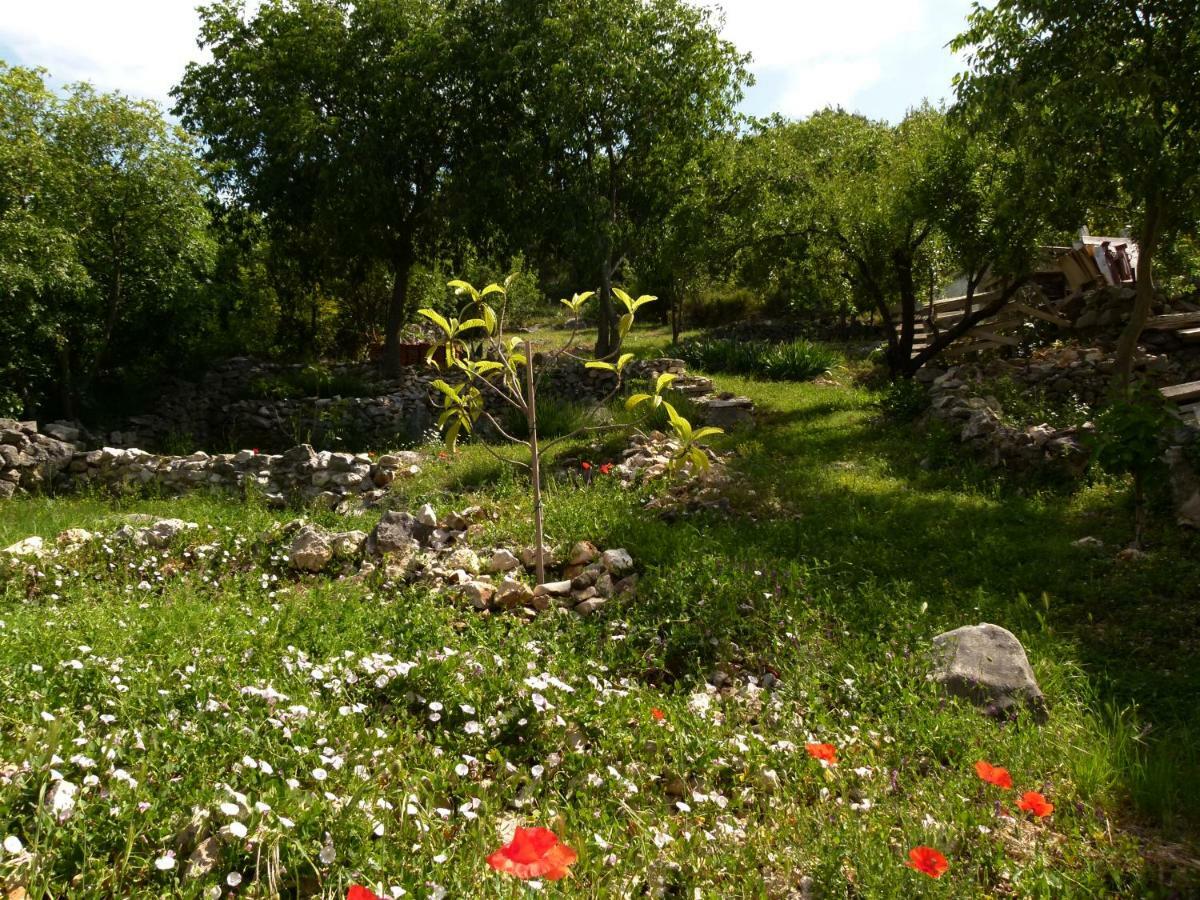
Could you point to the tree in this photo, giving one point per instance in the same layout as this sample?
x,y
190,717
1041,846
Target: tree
x,y
334,118
862,215
599,106
490,366
1102,97
103,237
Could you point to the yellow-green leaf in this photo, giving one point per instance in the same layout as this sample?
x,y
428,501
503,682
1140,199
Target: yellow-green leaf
x,y
600,364
636,400
663,381
437,319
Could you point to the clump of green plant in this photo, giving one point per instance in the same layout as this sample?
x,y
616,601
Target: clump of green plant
x,y
903,400
1130,437
790,361
1022,405
490,364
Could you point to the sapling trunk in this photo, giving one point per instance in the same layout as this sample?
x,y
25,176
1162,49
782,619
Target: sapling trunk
x,y
535,466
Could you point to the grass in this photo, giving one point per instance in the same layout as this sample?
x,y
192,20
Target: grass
x,y
817,604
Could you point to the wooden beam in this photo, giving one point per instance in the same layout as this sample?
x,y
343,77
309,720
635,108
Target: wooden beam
x,y
1182,393
994,338
1173,321
1041,314
1191,335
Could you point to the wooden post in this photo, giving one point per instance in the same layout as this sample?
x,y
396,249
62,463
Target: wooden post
x,y
534,462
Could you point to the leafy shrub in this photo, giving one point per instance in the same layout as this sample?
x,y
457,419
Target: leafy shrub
x,y
720,305
903,400
555,417
789,361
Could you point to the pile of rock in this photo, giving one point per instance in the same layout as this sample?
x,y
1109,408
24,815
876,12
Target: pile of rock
x,y
1183,460
138,530
650,456
424,549
953,400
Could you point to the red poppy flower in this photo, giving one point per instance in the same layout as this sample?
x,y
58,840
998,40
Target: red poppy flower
x,y
658,714
358,892
533,853
993,774
1033,802
827,753
586,466
606,469
927,861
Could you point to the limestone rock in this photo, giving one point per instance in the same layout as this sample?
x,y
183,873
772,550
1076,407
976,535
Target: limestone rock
x,y
464,558
618,562
503,561
31,546
582,554
204,859
310,550
480,593
348,544
164,531
427,517
394,534
588,607
553,589
513,594
73,537
987,665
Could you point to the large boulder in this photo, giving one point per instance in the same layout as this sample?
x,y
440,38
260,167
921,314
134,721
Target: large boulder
x,y
987,665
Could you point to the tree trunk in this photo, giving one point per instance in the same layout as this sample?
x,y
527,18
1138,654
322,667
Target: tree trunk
x,y
1139,510
900,353
397,314
1127,346
535,465
605,342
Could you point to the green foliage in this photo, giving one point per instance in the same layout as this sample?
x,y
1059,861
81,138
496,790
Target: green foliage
x,y
104,241
1022,405
903,400
788,361
1131,434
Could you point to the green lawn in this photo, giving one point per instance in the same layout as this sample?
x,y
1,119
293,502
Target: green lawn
x,y
412,730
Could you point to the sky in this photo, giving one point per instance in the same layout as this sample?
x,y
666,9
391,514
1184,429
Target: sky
x,y
878,57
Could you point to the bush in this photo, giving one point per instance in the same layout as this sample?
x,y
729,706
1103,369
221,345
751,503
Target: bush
x,y
903,400
720,305
789,361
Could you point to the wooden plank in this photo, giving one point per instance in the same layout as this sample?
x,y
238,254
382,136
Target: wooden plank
x,y
952,303
1182,393
1041,314
994,338
1191,335
1173,321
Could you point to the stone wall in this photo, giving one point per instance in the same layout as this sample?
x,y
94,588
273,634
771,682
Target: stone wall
x,y
35,462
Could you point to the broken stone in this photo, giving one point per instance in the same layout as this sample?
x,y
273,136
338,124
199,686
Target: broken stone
x,y
480,593
617,562
30,546
1088,543
348,544
427,517
310,550
464,558
987,665
583,553
553,589
393,534
503,561
588,607
513,594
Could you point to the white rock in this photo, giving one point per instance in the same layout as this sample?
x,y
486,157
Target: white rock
x,y
617,562
553,589
310,550
480,593
464,558
503,561
31,546
583,553
426,516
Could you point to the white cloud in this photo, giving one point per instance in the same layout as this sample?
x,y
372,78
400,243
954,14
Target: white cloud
x,y
139,47
816,53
